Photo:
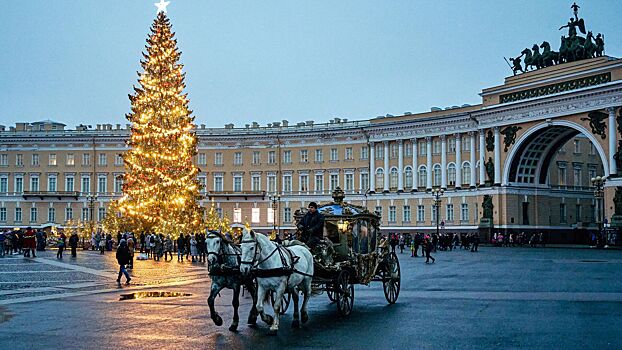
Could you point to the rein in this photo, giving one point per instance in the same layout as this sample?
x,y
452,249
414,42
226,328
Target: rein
x,y
284,270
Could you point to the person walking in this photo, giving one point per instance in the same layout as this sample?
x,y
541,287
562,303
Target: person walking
x,y
73,244
130,248
29,243
475,240
429,246
62,241
8,243
402,243
194,251
123,257
102,246
168,247
181,243
2,239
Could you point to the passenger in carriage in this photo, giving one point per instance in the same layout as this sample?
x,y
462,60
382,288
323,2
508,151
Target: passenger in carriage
x,y
312,226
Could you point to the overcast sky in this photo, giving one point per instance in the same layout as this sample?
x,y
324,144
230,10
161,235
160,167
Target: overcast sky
x,y
75,61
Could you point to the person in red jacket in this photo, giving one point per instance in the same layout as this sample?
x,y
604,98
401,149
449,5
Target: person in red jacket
x,y
30,243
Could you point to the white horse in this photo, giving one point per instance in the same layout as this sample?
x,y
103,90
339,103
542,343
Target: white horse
x,y
277,269
224,269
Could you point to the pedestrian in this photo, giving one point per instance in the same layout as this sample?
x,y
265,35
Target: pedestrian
x,y
102,246
187,246
194,251
29,243
181,243
412,248
402,242
142,242
429,246
62,241
475,240
73,244
8,243
157,247
123,257
168,247
393,242
2,239
130,248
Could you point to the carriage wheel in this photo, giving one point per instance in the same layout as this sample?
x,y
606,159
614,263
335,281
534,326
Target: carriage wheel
x,y
331,293
391,278
287,297
344,292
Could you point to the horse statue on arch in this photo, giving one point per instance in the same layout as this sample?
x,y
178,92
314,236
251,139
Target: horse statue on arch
x,y
223,264
277,269
549,57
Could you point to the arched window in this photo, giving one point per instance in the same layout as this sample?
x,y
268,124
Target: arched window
x,y
393,178
379,178
451,174
423,176
408,177
436,172
466,173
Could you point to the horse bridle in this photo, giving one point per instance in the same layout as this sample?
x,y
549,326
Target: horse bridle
x,y
256,243
221,252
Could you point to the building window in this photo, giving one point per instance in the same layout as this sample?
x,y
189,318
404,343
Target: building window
x,y
3,216
202,159
393,150
319,183
218,183
35,160
304,156
379,178
304,183
256,157
408,150
101,213
237,215
393,178
19,185
380,152
86,159
334,155
237,184
561,174
392,213
272,157
423,148
219,212
102,184
118,183
436,175
319,156
436,146
451,174
287,215
577,146
19,160
33,214
365,182
18,214
423,176
466,173
449,215
52,183
51,215
451,145
271,183
71,160
287,183
218,158
378,210
287,157
576,177
577,212
103,159
434,213
349,182
348,154
255,215
334,181
68,214
86,184
118,160
466,144
562,213
237,158
464,212
4,184
364,152
52,160
270,218
420,213
592,149
406,213
256,183
4,159
34,184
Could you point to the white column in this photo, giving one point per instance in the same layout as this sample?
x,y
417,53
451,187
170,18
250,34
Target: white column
x,y
400,166
472,159
482,157
372,170
458,161
385,153
428,141
415,165
613,168
443,161
497,156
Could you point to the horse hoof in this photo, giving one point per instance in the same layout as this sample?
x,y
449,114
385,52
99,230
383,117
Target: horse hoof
x,y
217,321
270,320
252,321
272,331
295,324
233,328
304,317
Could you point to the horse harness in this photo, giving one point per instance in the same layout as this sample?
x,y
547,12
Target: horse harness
x,y
285,270
224,269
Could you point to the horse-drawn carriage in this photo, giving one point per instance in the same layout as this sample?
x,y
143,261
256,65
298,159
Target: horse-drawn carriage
x,y
353,252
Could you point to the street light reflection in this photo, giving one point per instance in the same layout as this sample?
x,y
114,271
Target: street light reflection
x,y
142,295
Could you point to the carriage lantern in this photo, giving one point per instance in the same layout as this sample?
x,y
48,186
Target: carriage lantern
x,y
343,226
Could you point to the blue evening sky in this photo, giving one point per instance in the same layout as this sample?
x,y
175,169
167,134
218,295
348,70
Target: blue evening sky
x,y
75,61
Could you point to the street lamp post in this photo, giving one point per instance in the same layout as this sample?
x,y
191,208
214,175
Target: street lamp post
x,y
599,183
437,193
91,198
275,206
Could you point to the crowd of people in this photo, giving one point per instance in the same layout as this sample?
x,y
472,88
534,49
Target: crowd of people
x,y
431,243
518,239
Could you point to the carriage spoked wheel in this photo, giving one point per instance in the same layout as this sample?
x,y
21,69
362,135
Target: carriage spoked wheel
x,y
391,278
344,293
287,297
331,293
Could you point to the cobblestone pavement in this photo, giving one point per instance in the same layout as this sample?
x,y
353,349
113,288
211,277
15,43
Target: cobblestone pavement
x,y
496,298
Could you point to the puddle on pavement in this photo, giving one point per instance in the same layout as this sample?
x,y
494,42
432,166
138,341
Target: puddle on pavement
x,y
5,315
142,295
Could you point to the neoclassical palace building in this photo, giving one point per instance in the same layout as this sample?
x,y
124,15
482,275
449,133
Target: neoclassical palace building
x,y
533,144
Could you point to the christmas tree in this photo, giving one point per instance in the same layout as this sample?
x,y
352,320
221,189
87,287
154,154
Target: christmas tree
x,y
161,190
